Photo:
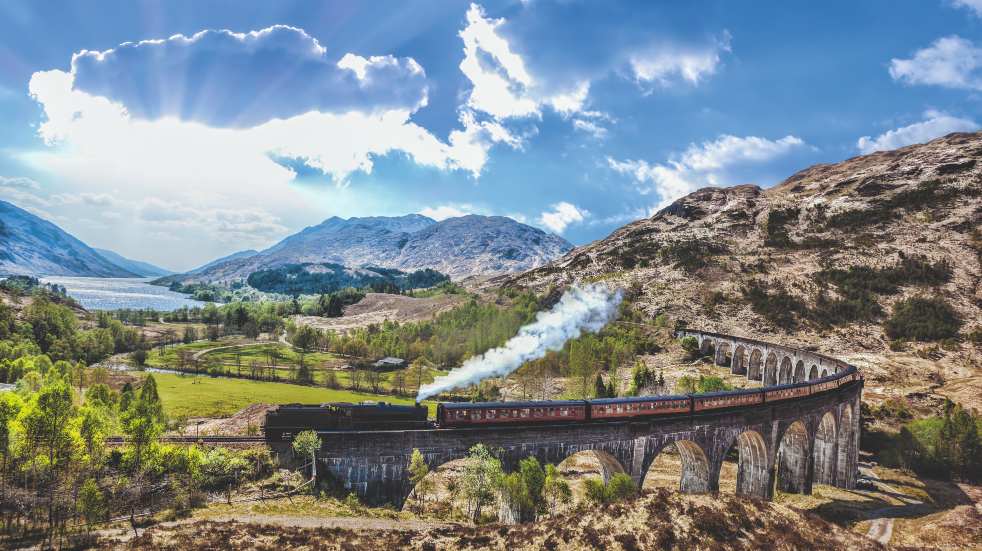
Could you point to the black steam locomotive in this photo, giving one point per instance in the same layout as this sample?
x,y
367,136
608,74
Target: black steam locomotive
x,y
284,422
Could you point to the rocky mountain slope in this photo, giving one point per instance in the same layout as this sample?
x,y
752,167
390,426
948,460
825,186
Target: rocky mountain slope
x,y
818,260
143,269
458,247
30,245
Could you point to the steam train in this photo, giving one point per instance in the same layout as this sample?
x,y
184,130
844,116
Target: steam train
x,y
286,421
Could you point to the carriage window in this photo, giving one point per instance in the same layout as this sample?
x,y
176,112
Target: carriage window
x,y
526,412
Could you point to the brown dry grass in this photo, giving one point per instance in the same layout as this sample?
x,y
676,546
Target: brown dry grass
x,y
657,520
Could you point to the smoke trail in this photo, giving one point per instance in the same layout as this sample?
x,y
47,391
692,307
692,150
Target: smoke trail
x,y
581,308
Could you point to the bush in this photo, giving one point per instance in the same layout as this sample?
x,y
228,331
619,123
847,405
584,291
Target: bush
x,y
939,447
691,347
691,385
620,486
693,254
778,307
922,319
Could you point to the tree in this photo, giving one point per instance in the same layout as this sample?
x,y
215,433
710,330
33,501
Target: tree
x,y
691,346
139,357
482,472
418,469
91,502
374,376
958,445
305,337
522,491
190,334
93,426
10,407
555,489
600,389
306,444
143,421
418,365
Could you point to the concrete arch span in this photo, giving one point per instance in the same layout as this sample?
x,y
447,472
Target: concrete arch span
x,y
724,354
753,472
793,460
786,371
770,370
740,360
799,372
681,463
755,371
824,455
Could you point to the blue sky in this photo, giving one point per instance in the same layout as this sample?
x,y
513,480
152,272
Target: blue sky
x,y
178,132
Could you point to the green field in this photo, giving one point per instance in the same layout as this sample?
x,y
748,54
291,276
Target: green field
x,y
237,360
203,396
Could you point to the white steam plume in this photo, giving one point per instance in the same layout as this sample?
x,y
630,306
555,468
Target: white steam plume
x,y
586,308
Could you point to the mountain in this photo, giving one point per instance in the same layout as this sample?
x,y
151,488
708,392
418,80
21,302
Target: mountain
x,y
143,269
30,245
830,258
458,247
234,256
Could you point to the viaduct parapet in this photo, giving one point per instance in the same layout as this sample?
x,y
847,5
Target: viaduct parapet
x,y
788,445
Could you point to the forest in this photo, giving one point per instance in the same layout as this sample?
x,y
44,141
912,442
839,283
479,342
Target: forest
x,y
315,279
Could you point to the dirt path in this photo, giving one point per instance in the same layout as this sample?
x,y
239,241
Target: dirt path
x,y
881,525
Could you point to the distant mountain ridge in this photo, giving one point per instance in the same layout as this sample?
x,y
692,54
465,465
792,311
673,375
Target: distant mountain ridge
x,y
143,269
459,247
30,245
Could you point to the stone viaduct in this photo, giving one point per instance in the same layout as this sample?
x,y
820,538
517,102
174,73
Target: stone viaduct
x,y
788,445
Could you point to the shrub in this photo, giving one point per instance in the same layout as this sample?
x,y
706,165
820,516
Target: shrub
x,y
778,307
922,319
777,233
691,347
693,254
691,385
620,486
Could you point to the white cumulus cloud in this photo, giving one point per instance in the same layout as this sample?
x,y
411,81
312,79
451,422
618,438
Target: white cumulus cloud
x,y
974,5
442,212
934,125
667,63
702,164
561,216
951,62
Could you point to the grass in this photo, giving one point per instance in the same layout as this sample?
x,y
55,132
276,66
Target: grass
x,y
203,396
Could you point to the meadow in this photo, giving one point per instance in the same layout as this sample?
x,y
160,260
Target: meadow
x,y
205,396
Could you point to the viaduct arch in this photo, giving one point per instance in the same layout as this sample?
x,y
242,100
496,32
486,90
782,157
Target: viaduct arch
x,y
788,445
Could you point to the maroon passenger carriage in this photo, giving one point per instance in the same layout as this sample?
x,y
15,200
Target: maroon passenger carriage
x,y
464,414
